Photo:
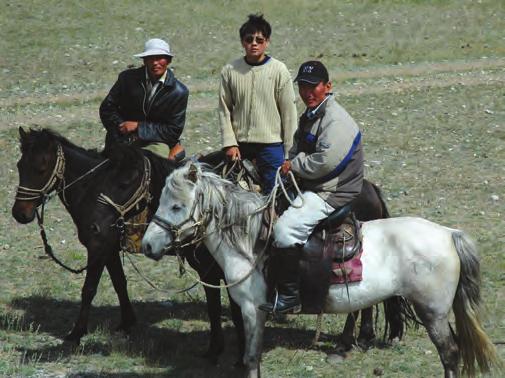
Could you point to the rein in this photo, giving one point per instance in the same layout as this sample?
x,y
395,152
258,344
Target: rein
x,y
47,248
56,182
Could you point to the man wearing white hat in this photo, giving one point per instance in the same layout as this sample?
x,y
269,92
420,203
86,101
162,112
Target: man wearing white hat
x,y
147,105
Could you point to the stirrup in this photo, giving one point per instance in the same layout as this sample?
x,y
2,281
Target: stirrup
x,y
272,308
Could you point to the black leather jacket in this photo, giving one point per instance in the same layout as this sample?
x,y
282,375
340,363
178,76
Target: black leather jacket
x,y
160,120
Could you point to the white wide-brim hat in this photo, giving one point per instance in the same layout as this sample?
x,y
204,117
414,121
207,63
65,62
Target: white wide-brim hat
x,y
155,46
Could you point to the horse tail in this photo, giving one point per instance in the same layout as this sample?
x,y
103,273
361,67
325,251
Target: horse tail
x,y
474,345
385,212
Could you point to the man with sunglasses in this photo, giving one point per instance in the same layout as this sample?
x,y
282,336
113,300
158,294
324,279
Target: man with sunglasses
x,y
257,111
147,105
327,158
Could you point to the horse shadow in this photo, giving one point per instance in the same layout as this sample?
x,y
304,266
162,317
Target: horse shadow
x,y
173,350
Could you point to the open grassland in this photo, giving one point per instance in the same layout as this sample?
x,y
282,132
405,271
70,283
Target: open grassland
x,y
425,80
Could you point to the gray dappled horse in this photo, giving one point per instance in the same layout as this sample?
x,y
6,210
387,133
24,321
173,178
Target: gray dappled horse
x,y
433,266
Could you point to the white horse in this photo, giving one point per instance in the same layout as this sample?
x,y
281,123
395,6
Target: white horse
x,y
433,266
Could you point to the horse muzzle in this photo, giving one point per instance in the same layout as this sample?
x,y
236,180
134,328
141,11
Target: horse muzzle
x,y
23,211
147,250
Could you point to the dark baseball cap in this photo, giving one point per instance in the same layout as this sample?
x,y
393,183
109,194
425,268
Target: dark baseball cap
x,y
312,72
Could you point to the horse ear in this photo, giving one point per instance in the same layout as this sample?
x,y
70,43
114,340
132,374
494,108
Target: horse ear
x,y
22,133
192,173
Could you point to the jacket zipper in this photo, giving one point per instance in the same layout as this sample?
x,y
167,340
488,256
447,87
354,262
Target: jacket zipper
x,y
144,100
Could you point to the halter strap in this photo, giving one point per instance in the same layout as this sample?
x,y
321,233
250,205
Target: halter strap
x,y
176,229
29,194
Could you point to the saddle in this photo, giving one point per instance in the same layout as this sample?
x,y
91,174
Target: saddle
x,y
341,235
330,256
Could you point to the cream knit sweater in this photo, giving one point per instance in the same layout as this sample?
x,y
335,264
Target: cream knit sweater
x,y
257,104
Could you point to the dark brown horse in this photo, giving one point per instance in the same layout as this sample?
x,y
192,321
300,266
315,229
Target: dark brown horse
x,y
51,164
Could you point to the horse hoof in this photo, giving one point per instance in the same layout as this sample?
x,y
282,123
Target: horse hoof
x,y
211,356
239,364
72,339
366,342
123,329
346,342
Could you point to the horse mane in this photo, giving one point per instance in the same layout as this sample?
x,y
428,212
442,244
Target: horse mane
x,y
233,209
123,155
42,138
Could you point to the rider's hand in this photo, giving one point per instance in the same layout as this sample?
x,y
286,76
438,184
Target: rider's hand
x,y
286,167
174,151
128,127
232,153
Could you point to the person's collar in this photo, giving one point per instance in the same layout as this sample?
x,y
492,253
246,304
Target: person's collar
x,y
264,61
161,79
319,110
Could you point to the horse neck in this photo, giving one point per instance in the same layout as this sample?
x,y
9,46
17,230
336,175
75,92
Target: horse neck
x,y
243,241
77,163
159,172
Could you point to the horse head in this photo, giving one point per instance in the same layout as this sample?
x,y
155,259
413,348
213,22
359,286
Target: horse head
x,y
176,218
39,171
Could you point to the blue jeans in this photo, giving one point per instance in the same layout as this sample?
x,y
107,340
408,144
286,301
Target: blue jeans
x,y
268,157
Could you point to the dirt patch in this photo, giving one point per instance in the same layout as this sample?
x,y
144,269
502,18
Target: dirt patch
x,y
83,107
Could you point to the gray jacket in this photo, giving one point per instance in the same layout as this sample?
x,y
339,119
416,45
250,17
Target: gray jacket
x,y
327,154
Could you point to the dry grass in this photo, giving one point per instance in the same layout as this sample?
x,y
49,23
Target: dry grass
x,y
434,133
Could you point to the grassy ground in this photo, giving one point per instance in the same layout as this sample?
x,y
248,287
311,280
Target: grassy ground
x,y
425,80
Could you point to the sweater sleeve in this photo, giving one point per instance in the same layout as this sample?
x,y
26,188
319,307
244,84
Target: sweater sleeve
x,y
287,110
225,108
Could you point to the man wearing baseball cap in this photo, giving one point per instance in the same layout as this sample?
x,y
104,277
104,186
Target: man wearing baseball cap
x,y
327,158
147,105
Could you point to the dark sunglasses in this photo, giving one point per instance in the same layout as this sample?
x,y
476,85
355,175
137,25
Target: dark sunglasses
x,y
252,38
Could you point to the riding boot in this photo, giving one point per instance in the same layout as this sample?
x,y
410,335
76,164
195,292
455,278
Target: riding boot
x,y
287,297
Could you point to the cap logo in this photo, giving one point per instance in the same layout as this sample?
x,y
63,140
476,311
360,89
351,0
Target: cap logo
x,y
308,69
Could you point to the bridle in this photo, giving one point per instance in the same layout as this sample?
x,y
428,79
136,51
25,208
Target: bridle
x,y
142,193
201,225
56,182
176,230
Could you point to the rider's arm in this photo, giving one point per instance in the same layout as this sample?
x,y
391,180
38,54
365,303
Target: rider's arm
x,y
335,147
109,110
224,110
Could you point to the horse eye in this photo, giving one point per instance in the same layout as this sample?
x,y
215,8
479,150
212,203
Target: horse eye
x,y
124,185
176,207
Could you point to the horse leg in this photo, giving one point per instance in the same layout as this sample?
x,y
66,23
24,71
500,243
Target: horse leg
x,y
216,344
236,316
366,332
119,282
209,272
347,336
88,292
254,325
442,336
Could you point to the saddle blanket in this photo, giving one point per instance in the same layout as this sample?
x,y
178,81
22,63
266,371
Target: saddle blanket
x,y
349,271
